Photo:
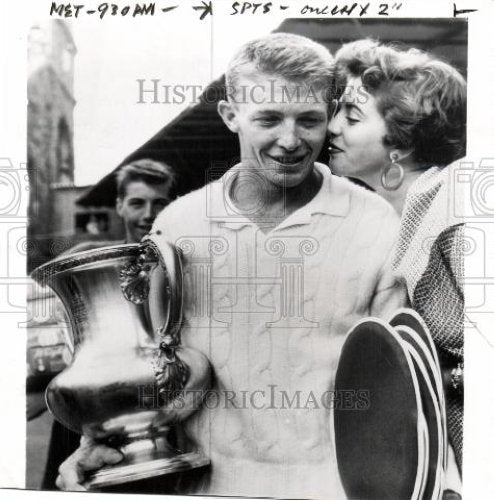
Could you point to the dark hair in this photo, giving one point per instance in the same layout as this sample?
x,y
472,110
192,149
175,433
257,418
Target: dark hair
x,y
422,99
145,170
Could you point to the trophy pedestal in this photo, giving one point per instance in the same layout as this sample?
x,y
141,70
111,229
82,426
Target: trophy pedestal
x,y
131,472
145,458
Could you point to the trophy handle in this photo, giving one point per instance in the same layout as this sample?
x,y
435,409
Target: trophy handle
x,y
166,290
157,277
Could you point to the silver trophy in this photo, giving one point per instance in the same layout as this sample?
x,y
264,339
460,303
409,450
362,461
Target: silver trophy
x,y
130,378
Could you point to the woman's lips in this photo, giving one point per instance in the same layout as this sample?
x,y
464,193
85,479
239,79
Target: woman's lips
x,y
333,149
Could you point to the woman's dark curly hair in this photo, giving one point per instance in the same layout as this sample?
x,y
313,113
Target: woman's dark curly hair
x,y
422,99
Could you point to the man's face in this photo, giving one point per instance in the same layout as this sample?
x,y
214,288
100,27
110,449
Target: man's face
x,y
281,127
140,206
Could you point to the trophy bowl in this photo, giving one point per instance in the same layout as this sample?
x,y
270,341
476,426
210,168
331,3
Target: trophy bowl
x,y
130,379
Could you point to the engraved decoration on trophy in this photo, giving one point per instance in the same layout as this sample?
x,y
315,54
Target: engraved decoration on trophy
x,y
130,378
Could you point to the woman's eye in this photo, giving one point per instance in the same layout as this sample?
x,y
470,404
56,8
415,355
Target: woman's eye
x,y
351,120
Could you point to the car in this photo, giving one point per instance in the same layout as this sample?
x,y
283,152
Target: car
x,y
49,345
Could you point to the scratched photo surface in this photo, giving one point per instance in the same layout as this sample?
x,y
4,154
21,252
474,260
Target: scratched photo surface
x,y
222,370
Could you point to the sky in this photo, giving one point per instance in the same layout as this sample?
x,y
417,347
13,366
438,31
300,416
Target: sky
x,y
109,122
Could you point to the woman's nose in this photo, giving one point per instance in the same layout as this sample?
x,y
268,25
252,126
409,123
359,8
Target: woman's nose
x,y
334,122
334,126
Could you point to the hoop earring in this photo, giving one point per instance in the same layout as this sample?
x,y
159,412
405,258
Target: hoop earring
x,y
387,169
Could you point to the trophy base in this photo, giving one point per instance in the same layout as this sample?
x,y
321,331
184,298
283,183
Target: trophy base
x,y
131,472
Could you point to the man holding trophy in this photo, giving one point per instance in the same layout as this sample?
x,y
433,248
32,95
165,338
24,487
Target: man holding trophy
x,y
280,260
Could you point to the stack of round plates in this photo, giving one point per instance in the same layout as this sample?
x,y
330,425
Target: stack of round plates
x,y
395,446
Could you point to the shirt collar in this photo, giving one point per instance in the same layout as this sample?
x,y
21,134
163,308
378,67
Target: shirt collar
x,y
332,199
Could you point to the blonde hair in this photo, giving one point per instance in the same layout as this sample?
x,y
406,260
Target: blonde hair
x,y
293,57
